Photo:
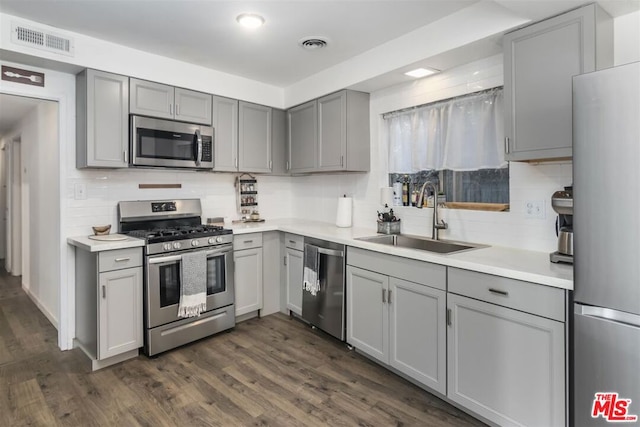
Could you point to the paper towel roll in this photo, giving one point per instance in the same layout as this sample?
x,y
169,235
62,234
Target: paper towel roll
x,y
386,196
345,211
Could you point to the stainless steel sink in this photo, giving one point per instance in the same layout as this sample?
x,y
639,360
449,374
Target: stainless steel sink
x,y
421,243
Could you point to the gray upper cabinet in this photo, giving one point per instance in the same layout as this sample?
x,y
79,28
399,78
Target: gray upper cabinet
x,y
225,128
102,123
539,63
254,138
279,142
166,102
330,134
303,137
192,106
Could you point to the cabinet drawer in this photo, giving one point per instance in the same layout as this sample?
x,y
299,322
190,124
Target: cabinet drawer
x,y
294,241
422,272
524,296
119,259
247,241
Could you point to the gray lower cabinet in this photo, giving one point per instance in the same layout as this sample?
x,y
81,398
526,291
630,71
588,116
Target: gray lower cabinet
x,y
247,256
539,63
330,134
109,325
294,265
102,121
399,322
167,102
506,364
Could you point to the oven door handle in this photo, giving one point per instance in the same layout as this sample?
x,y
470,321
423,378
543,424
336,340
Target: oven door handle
x,y
170,258
198,140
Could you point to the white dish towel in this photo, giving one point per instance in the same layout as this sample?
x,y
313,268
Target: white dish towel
x,y
310,280
193,289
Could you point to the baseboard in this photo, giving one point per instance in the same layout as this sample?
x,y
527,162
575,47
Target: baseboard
x,y
50,317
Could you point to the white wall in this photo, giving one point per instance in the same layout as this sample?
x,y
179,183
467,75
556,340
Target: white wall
x,y
626,34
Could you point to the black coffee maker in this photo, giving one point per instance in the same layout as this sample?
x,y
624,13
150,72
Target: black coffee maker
x,y
562,203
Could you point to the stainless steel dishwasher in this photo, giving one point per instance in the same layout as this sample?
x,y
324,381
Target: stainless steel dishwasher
x,y
326,309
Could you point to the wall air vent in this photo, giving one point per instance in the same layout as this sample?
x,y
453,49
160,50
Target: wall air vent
x,y
40,39
312,43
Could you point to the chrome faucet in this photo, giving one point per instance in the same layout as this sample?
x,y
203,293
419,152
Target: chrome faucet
x,y
437,225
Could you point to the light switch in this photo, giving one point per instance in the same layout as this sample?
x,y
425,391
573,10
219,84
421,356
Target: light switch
x,y
534,209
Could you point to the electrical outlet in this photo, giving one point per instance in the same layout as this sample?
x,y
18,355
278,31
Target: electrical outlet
x,y
80,191
534,209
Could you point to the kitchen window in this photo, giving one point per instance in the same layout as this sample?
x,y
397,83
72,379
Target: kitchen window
x,y
455,142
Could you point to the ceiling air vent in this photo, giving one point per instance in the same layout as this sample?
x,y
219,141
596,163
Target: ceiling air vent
x,y
312,43
41,39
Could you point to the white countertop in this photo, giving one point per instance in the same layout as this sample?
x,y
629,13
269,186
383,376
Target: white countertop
x,y
530,266
87,244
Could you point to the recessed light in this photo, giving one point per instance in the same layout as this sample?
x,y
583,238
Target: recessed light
x,y
420,72
250,20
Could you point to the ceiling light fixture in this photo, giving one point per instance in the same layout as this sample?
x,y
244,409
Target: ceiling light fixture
x,y
420,72
250,20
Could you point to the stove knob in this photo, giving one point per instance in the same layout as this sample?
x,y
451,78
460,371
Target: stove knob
x,y
195,242
167,246
211,240
177,245
219,239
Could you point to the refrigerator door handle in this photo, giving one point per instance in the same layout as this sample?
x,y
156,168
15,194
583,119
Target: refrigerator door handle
x,y
608,314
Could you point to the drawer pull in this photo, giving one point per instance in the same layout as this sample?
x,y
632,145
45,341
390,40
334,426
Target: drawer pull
x,y
384,295
293,242
122,259
247,242
499,292
104,292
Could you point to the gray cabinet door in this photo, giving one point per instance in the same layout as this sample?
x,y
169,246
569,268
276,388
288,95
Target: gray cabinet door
x,y
120,312
248,280
506,365
279,142
332,131
418,340
294,265
367,312
102,120
192,106
254,137
225,129
539,62
151,99
303,137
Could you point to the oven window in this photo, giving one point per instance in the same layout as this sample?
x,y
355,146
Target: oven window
x,y
216,282
157,144
169,284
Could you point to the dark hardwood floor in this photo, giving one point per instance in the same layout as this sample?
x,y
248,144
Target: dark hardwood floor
x,y
273,371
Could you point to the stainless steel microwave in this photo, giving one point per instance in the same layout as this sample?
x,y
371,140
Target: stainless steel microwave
x,y
167,143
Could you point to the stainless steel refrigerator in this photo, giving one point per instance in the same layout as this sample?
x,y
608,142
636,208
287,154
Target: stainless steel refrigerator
x,y
606,173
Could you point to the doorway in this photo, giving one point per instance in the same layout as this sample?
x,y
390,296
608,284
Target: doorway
x,y
28,191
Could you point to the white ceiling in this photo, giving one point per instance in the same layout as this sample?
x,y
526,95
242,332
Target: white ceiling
x,y
205,32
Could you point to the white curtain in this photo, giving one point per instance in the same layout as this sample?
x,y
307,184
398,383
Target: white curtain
x,y
460,134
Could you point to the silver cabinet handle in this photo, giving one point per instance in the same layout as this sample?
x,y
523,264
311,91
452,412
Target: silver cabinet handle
x,y
287,165
285,260
122,259
384,296
104,291
236,162
449,321
171,109
177,109
124,155
341,161
499,292
270,164
506,144
389,297
246,242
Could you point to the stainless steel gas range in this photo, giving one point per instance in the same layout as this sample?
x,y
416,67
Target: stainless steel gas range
x,y
171,229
